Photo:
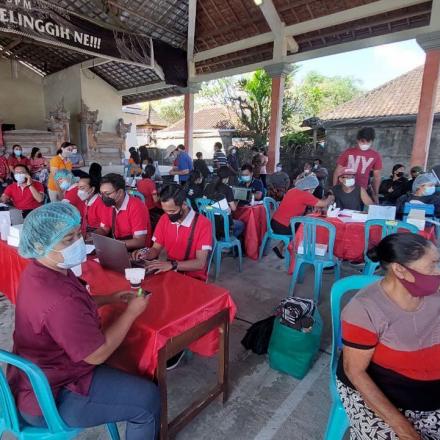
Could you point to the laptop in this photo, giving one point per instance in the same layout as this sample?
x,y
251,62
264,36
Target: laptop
x,y
113,254
241,194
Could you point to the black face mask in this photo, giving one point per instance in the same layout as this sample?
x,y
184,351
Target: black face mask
x,y
399,175
108,201
174,218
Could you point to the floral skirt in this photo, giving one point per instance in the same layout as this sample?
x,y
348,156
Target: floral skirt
x,y
365,425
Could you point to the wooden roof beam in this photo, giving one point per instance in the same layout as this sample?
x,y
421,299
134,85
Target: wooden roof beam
x,y
153,87
352,14
192,12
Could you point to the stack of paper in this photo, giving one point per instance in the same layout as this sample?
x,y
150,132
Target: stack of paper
x,y
14,235
417,218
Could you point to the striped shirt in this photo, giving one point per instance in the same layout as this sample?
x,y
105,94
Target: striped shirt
x,y
219,159
406,359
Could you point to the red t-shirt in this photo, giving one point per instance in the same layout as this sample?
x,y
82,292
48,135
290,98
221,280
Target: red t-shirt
x,y
4,167
147,188
90,210
22,198
362,162
22,160
71,196
174,238
294,204
132,220
56,327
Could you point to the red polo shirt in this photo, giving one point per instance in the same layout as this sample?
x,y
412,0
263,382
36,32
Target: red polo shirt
x,y
71,196
132,219
56,327
174,238
147,188
294,204
22,198
22,160
90,210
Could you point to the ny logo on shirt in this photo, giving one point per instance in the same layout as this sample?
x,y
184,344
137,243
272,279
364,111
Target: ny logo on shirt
x,y
354,162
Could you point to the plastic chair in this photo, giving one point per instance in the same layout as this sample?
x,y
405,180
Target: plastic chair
x,y
429,209
310,224
202,203
388,227
9,420
226,242
270,206
134,193
338,422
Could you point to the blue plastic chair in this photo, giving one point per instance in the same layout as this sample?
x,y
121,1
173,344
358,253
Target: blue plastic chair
x,y
9,420
226,242
270,206
310,224
388,227
338,422
134,193
429,209
202,203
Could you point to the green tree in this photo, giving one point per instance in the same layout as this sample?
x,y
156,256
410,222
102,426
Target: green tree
x,y
170,110
319,93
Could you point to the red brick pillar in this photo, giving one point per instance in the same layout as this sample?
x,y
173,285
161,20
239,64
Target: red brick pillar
x,y
189,119
425,117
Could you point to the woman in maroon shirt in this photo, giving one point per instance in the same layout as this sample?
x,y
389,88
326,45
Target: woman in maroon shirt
x,y
57,327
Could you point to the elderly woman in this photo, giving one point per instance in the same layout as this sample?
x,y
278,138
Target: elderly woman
x,y
294,204
423,191
389,372
57,327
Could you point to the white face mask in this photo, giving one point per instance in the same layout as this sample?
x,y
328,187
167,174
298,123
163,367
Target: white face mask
x,y
279,169
75,151
73,255
66,153
365,147
20,178
83,195
350,182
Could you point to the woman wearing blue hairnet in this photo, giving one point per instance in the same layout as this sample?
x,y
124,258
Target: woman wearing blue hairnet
x,y
57,327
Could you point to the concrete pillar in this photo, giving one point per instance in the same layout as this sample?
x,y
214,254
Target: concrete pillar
x,y
278,73
425,117
189,122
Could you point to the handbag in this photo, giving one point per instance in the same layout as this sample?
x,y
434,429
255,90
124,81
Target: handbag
x,y
258,336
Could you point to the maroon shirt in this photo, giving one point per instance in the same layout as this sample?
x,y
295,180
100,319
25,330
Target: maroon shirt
x,y
56,327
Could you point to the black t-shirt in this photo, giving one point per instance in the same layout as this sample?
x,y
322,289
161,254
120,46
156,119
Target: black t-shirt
x,y
219,192
200,165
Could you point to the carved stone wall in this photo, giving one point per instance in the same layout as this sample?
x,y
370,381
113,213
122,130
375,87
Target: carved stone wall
x,y
59,123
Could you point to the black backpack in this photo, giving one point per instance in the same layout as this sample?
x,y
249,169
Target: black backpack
x,y
258,336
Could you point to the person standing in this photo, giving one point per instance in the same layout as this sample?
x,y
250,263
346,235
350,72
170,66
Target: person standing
x,y
219,158
233,159
322,174
183,165
263,168
363,160
59,162
200,165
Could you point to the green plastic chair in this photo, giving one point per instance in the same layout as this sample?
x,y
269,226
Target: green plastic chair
x,y
388,227
310,225
338,422
270,206
226,242
9,420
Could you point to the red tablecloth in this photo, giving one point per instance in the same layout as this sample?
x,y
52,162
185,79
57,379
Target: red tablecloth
x,y
177,304
350,238
254,217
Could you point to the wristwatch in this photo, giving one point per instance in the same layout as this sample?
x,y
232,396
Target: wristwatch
x,y
174,264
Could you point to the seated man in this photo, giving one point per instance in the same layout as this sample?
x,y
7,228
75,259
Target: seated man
x,y
184,234
123,217
85,198
423,191
295,204
278,183
247,180
348,195
24,194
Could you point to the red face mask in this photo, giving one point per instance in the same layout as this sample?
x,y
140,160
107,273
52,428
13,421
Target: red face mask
x,y
423,285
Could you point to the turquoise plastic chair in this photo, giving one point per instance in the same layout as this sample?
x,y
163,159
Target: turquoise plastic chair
x,y
310,224
202,203
9,420
134,193
270,206
338,422
226,242
429,209
388,227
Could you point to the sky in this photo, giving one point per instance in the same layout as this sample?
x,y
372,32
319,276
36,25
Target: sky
x,y
372,66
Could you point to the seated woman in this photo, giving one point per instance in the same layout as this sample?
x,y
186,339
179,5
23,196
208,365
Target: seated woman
x,y
388,375
294,204
39,166
423,191
220,190
58,328
394,187
348,195
17,158
25,194
247,180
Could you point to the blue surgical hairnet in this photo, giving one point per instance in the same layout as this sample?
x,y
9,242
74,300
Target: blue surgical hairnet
x,y
423,179
65,175
308,182
46,226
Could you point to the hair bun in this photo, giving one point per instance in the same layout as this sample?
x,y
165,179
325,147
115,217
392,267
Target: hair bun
x,y
373,254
